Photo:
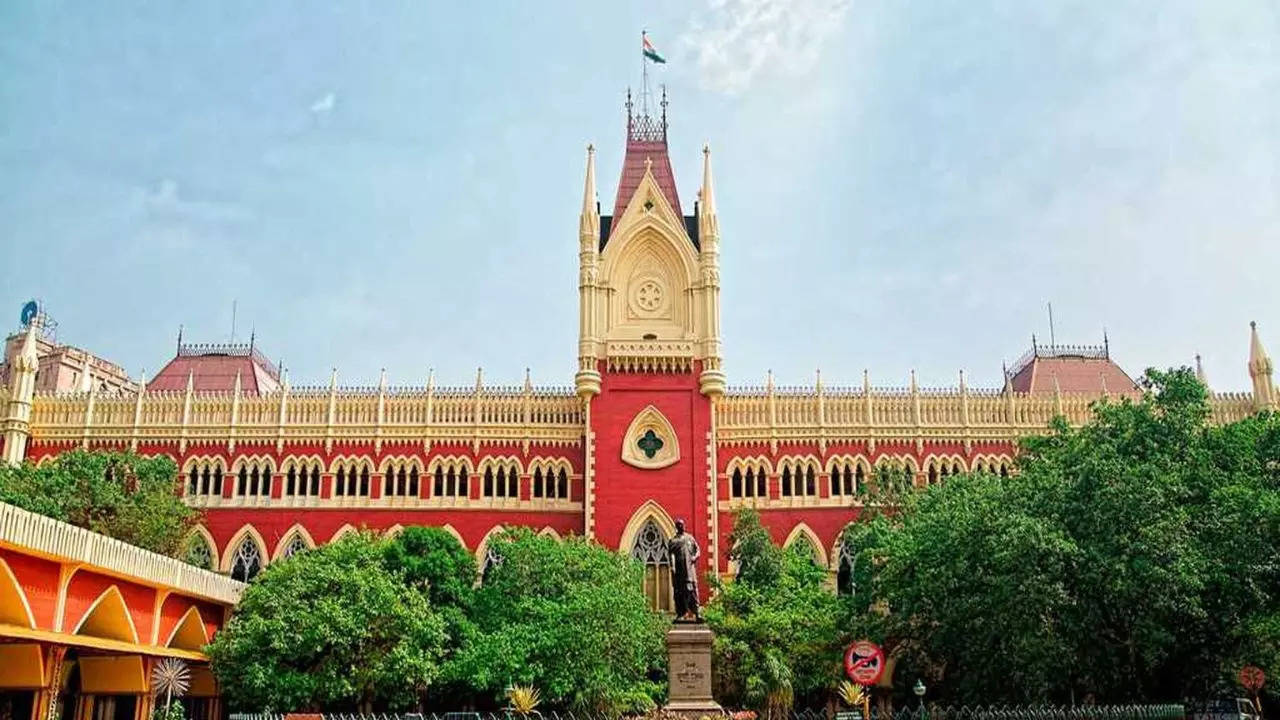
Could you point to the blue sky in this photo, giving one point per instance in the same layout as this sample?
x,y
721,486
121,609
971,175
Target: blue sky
x,y
396,184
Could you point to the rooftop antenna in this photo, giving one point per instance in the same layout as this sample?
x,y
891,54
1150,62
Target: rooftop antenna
x,y
1052,339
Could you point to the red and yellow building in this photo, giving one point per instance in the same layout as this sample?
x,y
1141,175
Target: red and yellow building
x,y
84,618
650,431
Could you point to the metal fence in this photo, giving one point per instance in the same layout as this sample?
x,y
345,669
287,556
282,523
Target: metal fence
x,y
910,711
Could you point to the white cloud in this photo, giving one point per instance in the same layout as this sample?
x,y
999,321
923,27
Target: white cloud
x,y
165,202
325,104
734,41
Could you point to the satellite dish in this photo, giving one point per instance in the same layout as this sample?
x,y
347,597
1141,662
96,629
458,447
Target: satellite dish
x,y
29,312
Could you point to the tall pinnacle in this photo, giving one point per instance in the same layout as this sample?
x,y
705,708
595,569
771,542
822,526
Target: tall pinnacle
x,y
589,221
708,223
1259,362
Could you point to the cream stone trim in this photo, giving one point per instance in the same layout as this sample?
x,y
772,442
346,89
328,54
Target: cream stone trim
x,y
649,509
391,532
346,529
854,460
10,582
549,532
301,462
445,460
45,537
251,460
347,461
483,546
297,529
111,602
246,531
650,419
803,529
408,461
450,529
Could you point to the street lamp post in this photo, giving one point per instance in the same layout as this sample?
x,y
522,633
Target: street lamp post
x,y
919,690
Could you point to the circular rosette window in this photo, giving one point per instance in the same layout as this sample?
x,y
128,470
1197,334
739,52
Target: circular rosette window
x,y
650,442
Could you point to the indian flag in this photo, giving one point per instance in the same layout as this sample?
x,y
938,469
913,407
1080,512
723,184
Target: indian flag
x,y
650,51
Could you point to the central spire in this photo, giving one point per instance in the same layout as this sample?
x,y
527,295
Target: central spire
x,y
646,151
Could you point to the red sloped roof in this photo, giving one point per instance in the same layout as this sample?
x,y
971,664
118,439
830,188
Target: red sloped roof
x,y
633,166
1074,374
215,370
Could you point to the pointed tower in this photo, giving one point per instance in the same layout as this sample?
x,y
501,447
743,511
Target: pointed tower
x,y
1260,369
22,390
649,348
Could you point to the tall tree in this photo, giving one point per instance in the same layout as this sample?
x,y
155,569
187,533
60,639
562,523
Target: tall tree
x,y
122,495
1131,558
568,617
330,629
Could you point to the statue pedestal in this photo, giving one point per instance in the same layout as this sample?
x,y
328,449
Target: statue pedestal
x,y
689,670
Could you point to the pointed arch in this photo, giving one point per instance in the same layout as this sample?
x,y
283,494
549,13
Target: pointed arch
x,y
550,532
190,633
393,531
14,607
297,530
346,529
108,617
802,530
482,548
246,531
200,534
647,510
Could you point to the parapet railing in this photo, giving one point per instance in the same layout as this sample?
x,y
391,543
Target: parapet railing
x,y
479,414
24,530
748,414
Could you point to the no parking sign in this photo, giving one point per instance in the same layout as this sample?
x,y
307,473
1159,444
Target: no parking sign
x,y
864,662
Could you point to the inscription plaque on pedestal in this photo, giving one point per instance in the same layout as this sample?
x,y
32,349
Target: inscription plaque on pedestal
x,y
689,669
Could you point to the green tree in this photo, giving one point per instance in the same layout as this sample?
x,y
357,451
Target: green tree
x,y
779,627
432,559
330,629
568,617
1132,558
122,495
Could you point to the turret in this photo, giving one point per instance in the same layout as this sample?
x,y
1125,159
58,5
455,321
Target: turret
x,y
587,380
22,390
1260,369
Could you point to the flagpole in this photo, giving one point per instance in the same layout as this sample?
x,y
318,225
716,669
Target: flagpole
x,y
644,74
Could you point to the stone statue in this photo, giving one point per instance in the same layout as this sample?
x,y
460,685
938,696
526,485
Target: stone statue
x,y
683,550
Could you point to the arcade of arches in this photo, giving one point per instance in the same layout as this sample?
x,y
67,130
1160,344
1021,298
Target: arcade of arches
x,y
83,622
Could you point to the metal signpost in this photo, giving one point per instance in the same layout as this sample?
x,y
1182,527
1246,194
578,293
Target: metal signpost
x,y
864,664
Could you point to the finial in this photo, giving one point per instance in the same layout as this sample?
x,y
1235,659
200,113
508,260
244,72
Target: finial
x,y
142,381
1034,347
817,378
479,377
648,163
1103,378
528,380
382,380
913,381
589,205
866,379
179,337
253,333
333,379
962,381
191,381
284,375
768,379
431,378
237,387
707,194
1106,345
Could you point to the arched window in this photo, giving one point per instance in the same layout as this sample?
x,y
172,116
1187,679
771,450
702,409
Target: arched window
x,y
537,490
296,545
204,478
450,480
803,546
199,553
562,484
847,562
248,561
650,548
735,484
786,480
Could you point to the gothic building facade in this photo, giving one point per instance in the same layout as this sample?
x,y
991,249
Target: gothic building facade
x,y
650,431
